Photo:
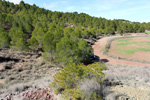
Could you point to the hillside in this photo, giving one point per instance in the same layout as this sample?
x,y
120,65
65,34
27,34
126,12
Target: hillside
x,y
37,43
29,24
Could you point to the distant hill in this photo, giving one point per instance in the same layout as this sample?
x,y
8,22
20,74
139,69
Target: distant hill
x,y
28,27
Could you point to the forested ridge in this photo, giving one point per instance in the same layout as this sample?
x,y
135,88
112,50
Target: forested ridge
x,y
61,38
59,35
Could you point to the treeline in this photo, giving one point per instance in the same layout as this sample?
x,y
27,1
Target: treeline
x,y
58,34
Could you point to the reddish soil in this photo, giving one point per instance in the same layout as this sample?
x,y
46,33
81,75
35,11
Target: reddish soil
x,y
2,81
37,94
100,44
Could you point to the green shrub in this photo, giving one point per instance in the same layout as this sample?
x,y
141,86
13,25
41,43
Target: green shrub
x,y
69,78
73,94
1,86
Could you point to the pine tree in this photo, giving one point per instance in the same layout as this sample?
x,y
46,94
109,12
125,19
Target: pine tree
x,y
4,39
84,51
125,28
49,45
141,29
40,34
21,44
119,30
33,43
66,50
18,41
109,30
135,27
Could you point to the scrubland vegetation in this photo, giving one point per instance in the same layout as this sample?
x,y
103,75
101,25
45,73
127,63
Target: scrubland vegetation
x,y
79,81
135,81
60,37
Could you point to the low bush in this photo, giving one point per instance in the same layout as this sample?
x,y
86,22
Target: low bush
x,y
18,87
90,88
1,86
72,81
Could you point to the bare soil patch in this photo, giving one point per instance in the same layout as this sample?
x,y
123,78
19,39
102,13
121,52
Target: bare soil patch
x,y
2,81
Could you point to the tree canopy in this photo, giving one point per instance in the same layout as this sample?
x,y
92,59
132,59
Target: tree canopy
x,y
60,35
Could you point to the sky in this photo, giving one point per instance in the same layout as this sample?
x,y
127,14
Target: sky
x,y
132,10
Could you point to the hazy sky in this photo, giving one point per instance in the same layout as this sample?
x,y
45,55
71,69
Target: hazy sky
x,y
133,10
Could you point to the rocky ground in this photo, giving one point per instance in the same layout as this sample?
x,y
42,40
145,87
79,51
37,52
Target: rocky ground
x,y
25,75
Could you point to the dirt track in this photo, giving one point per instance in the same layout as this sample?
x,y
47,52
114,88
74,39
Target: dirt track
x,y
100,44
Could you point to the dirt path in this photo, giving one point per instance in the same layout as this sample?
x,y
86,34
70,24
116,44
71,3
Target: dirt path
x,y
100,44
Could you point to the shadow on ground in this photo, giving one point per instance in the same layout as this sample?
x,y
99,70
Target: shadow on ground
x,y
104,60
97,59
3,59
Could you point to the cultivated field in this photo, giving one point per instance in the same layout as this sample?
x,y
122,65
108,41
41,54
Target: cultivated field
x,y
108,53
147,32
137,48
